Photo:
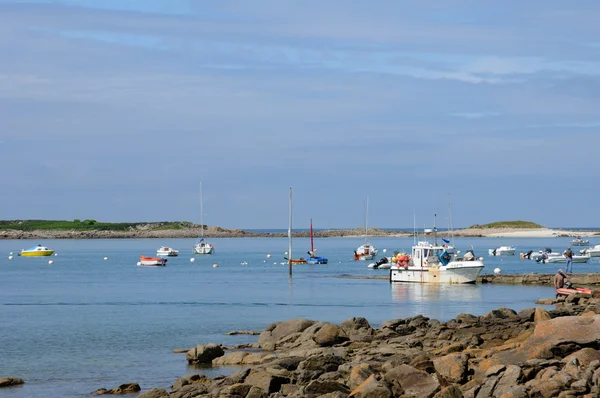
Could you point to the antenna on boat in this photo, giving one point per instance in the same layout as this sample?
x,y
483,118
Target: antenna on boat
x,y
366,219
414,227
434,230
290,236
450,220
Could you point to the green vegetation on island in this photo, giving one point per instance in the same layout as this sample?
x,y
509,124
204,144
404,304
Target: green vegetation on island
x,y
508,224
91,225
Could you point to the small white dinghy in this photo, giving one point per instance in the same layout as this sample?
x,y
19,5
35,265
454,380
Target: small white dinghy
x,y
167,251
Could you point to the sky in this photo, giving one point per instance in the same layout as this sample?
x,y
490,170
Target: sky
x,y
115,110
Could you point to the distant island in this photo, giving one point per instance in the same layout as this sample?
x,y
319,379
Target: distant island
x,y
508,224
92,229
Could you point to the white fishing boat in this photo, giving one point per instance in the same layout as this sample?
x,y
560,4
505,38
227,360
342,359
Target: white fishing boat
x,y
502,251
366,251
592,251
431,263
167,251
203,246
580,242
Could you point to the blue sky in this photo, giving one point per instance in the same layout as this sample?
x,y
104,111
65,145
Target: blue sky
x,y
116,109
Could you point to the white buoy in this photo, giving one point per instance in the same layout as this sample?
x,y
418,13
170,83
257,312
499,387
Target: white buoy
x,y
192,260
11,253
285,253
139,263
269,255
264,261
215,265
497,271
51,262
105,258
55,254
10,257
385,250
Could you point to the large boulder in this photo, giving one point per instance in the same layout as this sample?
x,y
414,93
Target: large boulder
x,y
371,388
266,381
330,335
405,379
10,381
360,373
276,331
452,368
204,353
357,329
555,338
154,393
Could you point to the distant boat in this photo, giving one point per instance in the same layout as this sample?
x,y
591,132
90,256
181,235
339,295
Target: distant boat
x,y
202,246
37,251
366,251
313,258
503,251
167,251
289,259
580,242
152,261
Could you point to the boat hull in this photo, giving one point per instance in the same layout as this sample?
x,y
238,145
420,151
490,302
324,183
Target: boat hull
x,y
37,253
152,262
563,291
453,273
562,259
204,249
499,252
169,253
316,260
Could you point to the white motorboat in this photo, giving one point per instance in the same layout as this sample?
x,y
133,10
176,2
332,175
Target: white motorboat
x,y
580,242
202,246
37,251
592,251
502,251
560,258
167,251
431,263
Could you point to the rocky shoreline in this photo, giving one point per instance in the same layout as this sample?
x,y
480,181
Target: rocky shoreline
x,y
148,232
531,353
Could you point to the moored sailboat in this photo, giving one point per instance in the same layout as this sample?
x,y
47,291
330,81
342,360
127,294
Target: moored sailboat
x,y
203,246
312,254
366,251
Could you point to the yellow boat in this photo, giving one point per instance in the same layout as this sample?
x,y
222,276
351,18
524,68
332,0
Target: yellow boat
x,y
37,251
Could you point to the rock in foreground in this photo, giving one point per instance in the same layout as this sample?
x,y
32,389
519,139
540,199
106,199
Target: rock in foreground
x,y
129,388
532,353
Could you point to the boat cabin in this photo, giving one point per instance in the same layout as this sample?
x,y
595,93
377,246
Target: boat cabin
x,y
424,254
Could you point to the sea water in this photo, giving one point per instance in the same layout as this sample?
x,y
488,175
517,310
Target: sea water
x,y
83,323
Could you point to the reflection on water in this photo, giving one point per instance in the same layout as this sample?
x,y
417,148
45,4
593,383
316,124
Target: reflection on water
x,y
441,302
433,293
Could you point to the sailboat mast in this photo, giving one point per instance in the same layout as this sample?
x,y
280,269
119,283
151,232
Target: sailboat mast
x,y
201,213
290,236
450,220
366,220
312,245
434,230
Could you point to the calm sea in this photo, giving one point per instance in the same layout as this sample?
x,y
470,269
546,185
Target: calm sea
x,y
83,323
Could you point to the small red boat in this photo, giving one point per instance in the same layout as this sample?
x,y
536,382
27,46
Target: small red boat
x,y
566,291
152,261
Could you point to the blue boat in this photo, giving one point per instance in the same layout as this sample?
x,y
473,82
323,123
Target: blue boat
x,y
313,258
